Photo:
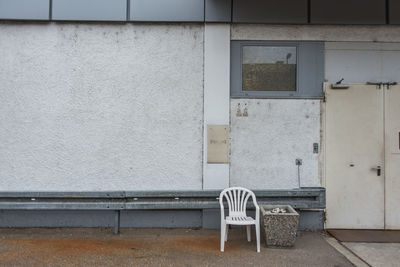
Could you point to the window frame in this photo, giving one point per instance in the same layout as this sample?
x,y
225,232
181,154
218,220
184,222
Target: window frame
x,y
309,70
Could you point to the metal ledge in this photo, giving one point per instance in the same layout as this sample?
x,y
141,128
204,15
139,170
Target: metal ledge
x,y
304,198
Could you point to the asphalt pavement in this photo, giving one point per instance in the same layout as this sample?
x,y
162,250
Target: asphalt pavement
x,y
157,247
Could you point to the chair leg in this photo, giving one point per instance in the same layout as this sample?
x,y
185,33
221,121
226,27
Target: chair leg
x,y
223,230
258,236
226,232
248,232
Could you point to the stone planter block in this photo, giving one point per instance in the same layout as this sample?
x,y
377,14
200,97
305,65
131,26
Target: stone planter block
x,y
279,228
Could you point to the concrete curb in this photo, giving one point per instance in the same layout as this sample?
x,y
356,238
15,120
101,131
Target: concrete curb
x,y
353,258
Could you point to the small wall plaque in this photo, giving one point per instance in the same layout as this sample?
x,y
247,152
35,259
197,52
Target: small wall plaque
x,y
218,144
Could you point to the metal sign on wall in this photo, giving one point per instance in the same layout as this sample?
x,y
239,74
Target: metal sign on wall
x,y
218,144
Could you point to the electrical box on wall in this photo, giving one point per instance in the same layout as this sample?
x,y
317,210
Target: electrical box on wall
x,y
218,144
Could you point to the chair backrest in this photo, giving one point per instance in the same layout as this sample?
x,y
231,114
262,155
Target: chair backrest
x,y
237,198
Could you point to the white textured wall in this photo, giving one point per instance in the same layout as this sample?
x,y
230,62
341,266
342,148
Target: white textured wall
x,y
265,144
101,107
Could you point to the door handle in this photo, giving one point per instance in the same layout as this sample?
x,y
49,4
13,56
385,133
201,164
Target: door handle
x,y
378,170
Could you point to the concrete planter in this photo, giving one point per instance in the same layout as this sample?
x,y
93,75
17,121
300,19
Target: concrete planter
x,y
279,228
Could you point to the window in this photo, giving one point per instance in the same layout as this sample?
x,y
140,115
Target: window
x,y
269,68
277,69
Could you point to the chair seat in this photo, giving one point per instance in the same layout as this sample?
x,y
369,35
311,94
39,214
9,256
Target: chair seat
x,y
240,220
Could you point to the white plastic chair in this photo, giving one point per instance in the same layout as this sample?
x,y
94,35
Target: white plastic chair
x,y
237,198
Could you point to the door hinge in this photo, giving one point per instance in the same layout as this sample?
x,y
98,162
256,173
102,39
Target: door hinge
x,y
382,85
377,84
390,84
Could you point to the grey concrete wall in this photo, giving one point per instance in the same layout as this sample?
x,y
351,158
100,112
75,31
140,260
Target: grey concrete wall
x,y
265,145
101,107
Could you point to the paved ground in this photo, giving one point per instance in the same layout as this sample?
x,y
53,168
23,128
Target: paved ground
x,y
376,254
156,247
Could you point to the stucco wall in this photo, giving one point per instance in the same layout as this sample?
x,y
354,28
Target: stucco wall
x,y
265,145
101,107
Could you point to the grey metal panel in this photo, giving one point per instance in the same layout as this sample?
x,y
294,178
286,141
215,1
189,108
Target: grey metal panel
x,y
56,218
270,11
394,11
218,10
310,70
311,220
211,219
117,221
161,218
25,9
89,10
167,10
348,12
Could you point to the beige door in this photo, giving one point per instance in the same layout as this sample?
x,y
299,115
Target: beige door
x,y
354,148
392,157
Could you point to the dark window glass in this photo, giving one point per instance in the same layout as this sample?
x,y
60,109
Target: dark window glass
x,y
269,68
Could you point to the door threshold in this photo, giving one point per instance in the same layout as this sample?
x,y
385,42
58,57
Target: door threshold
x,y
366,236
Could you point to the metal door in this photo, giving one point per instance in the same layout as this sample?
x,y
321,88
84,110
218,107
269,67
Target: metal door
x,y
392,157
354,123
